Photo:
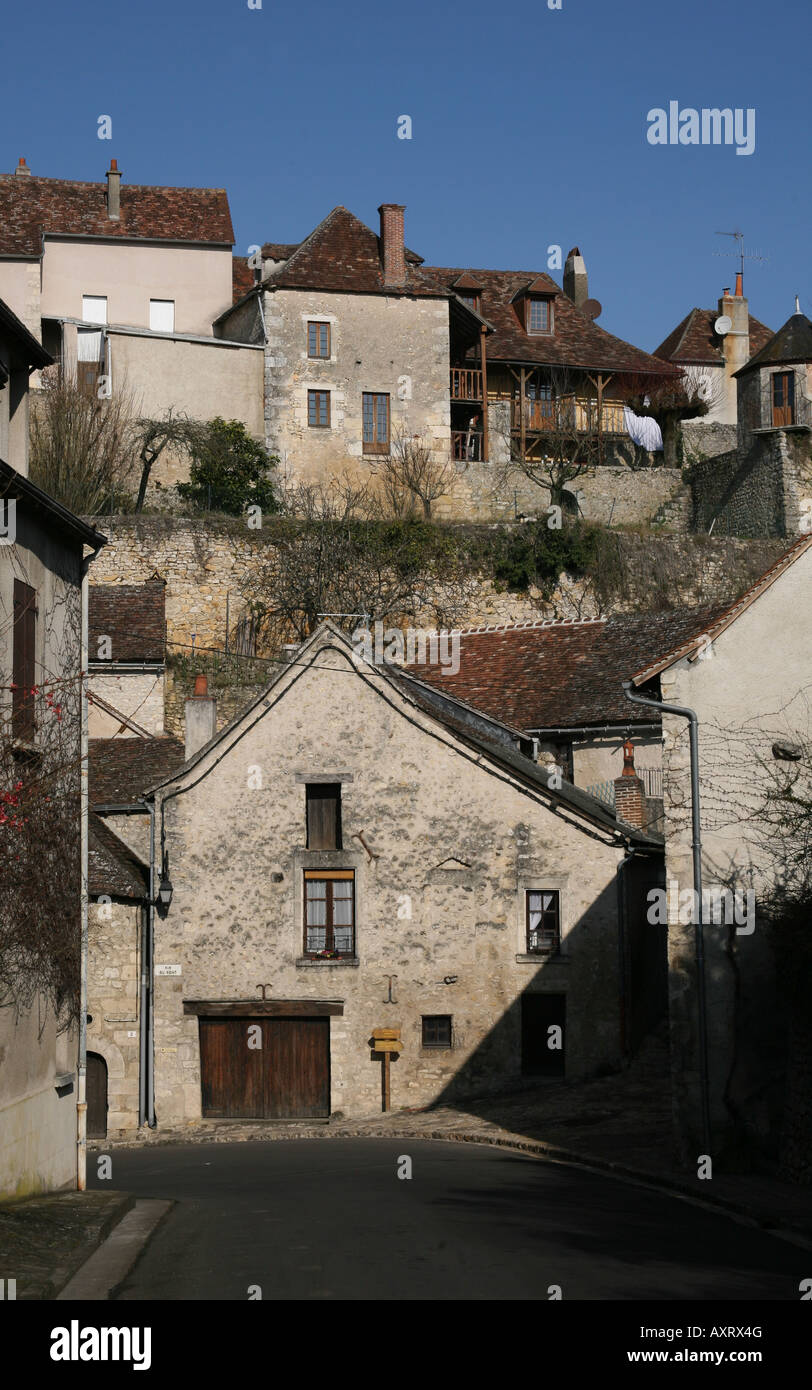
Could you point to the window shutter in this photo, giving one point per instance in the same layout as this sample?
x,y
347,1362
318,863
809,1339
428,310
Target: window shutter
x,y
162,315
323,815
23,658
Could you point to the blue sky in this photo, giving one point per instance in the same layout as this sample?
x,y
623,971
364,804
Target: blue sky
x,y
528,128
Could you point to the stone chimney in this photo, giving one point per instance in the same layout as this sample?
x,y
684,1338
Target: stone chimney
x,y
114,191
22,168
630,797
393,249
736,344
201,717
576,282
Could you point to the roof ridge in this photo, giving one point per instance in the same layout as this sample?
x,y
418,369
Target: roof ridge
x,y
530,623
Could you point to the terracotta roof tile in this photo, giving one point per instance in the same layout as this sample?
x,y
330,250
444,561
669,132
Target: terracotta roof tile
x,y
561,674
31,207
343,255
242,277
122,769
576,340
695,343
132,616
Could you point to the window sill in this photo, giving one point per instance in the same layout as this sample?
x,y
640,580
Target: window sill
x,y
351,961
537,956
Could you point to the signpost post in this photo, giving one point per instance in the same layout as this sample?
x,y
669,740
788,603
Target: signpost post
x,y
386,1041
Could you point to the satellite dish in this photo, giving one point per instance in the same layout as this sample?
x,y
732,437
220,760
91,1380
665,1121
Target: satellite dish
x,y
592,308
723,325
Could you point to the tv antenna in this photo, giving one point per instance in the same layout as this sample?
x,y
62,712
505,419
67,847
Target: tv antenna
x,y
740,251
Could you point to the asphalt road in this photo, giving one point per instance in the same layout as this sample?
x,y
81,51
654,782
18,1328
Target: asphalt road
x,y
331,1219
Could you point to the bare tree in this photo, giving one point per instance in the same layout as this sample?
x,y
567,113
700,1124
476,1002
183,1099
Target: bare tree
x,y
412,472
554,437
82,443
682,395
154,435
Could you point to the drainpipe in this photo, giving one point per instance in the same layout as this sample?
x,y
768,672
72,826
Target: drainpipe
x,y
622,920
699,936
84,810
148,1056
145,1014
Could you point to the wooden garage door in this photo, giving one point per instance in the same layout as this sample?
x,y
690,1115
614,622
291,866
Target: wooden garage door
x,y
287,1078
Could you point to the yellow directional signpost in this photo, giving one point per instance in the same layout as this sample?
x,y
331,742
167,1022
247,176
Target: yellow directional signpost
x,y
386,1041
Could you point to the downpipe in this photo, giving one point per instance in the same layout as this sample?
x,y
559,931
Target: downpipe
x,y
699,934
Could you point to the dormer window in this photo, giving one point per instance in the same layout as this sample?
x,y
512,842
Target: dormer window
x,y
539,314
472,299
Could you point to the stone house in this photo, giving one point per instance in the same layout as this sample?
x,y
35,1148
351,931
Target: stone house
x,y
121,283
747,674
716,354
365,344
127,659
323,886
44,555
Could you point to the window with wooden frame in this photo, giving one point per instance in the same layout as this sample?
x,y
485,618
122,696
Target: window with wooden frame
x,y
539,315
318,410
376,422
543,917
23,723
323,812
783,384
437,1030
329,913
472,299
318,339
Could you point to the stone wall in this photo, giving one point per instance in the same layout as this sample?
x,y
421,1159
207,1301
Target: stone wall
x,y
764,492
114,931
704,438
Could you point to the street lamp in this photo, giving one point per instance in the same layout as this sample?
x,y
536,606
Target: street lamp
x,y
165,889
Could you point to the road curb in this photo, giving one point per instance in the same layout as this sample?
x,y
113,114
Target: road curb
x,y
110,1264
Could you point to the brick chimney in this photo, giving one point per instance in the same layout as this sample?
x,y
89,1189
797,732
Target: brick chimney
x,y
201,717
22,168
393,250
630,798
576,282
114,191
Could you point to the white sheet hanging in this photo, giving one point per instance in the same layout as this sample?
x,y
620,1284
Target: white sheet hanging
x,y
644,430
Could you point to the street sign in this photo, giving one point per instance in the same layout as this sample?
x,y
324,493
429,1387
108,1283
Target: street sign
x,y
387,1045
393,1033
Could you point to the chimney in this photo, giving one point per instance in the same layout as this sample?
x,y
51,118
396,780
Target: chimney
x,y
739,291
22,168
114,191
393,249
576,282
630,799
735,346
201,717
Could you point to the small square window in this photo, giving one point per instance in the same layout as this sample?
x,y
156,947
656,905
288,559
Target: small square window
x,y
162,315
94,308
318,339
436,1030
318,409
543,916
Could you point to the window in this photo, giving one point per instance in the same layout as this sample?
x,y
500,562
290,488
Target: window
x,y
89,348
329,909
472,299
783,399
318,339
376,423
539,316
436,1030
318,409
94,308
23,658
323,807
543,923
162,315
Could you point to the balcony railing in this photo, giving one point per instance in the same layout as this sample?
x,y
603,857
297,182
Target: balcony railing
x,y
466,384
466,446
568,413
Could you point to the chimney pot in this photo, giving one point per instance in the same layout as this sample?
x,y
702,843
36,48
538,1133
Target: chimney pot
x,y
201,686
22,167
114,191
726,293
393,249
739,290
630,798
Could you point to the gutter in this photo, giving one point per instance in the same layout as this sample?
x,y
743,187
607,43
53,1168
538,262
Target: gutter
x,y
699,935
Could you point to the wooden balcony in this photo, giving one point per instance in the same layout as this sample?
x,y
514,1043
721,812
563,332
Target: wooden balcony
x,y
466,384
466,446
567,413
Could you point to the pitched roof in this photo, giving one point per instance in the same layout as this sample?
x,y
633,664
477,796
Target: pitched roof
x,y
691,642
342,254
25,349
132,616
121,769
113,868
792,343
31,207
695,342
552,675
576,340
50,512
242,277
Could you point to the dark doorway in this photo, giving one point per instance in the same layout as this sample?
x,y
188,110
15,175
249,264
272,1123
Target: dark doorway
x,y
96,1089
287,1078
543,1050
